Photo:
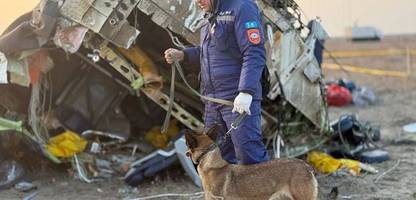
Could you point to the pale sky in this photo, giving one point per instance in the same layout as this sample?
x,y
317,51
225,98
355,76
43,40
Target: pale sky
x,y
390,16
11,9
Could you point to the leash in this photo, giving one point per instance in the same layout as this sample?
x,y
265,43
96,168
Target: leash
x,y
177,66
211,147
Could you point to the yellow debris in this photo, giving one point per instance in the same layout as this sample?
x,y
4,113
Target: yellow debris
x,y
145,65
160,140
325,163
352,165
66,145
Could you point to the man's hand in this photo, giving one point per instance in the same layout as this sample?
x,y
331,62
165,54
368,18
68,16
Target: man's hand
x,y
242,103
170,53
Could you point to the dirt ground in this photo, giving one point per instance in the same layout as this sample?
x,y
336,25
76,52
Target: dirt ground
x,y
395,107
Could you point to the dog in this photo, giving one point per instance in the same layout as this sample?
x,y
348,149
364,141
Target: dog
x,y
280,179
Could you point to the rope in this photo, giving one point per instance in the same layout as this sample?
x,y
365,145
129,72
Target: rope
x,y
388,171
175,40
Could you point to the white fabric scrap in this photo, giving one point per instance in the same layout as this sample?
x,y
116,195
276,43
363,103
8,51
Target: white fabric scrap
x,y
70,38
19,72
3,68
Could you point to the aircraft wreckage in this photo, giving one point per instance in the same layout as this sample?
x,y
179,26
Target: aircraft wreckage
x,y
96,68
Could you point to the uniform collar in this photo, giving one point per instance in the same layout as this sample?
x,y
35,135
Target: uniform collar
x,y
217,5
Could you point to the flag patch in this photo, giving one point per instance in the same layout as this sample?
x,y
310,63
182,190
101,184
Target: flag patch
x,y
254,36
251,25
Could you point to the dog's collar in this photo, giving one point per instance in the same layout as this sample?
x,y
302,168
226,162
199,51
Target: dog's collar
x,y
204,153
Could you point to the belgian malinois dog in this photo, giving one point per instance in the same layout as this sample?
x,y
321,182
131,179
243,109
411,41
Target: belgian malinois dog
x,y
290,179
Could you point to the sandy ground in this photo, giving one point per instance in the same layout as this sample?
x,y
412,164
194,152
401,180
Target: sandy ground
x,y
395,107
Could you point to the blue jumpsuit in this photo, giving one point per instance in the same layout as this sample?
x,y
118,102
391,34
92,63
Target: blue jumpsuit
x,y
232,58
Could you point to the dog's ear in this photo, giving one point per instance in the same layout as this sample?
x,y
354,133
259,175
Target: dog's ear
x,y
213,132
191,141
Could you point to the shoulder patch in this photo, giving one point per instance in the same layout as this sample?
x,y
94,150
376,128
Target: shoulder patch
x,y
254,36
251,25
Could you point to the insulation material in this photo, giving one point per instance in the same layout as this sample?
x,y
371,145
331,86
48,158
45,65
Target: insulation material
x,y
70,38
38,62
145,65
160,140
19,72
325,163
38,109
66,145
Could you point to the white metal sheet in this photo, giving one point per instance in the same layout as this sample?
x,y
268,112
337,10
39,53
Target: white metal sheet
x,y
3,68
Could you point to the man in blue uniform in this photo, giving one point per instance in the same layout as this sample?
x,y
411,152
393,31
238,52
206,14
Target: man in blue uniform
x,y
232,58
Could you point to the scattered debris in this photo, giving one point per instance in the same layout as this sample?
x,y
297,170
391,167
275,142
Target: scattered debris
x,y
350,130
363,96
410,128
327,164
149,166
31,196
374,156
25,186
350,85
66,145
161,140
10,173
338,96
127,191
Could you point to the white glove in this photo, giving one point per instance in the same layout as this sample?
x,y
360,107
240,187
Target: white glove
x,y
242,103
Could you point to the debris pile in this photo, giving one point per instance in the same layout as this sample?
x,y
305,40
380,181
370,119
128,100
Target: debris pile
x,y
98,91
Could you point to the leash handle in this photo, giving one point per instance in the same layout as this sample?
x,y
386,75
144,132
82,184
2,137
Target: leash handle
x,y
166,122
234,126
238,120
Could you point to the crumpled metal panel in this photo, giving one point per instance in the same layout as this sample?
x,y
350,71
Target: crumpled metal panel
x,y
300,76
107,18
274,16
76,10
181,16
123,66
